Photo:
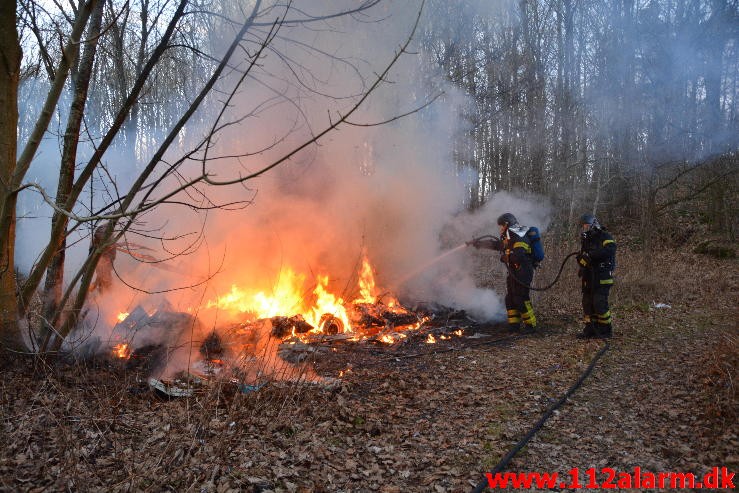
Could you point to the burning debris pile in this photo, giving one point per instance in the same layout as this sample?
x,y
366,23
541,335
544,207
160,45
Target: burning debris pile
x,y
294,312
140,336
270,330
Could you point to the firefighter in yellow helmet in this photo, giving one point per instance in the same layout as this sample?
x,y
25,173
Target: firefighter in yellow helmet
x,y
515,251
597,260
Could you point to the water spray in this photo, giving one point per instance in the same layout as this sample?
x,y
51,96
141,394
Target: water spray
x,y
476,241
431,262
436,259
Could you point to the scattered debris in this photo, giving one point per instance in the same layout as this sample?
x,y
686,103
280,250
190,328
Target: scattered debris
x,y
246,388
478,335
285,326
172,389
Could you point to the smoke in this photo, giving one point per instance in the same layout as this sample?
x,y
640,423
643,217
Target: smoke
x,y
390,192
387,191
454,280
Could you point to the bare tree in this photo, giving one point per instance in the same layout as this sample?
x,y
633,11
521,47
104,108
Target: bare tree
x,y
587,102
162,179
10,63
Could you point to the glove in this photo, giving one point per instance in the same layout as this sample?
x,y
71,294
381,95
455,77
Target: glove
x,y
583,259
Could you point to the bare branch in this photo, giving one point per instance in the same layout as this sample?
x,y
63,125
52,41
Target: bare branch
x,y
397,117
333,125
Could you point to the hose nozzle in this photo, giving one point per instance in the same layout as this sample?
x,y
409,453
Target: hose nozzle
x,y
476,242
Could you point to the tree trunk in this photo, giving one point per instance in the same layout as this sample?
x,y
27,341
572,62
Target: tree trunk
x,y
34,279
55,272
10,59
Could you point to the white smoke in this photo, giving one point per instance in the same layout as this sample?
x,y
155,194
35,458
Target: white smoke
x,y
390,190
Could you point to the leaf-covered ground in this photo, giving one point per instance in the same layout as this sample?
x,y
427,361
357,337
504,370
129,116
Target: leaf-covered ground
x,y
662,398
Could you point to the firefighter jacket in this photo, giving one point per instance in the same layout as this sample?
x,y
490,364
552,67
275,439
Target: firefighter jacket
x,y
515,248
598,257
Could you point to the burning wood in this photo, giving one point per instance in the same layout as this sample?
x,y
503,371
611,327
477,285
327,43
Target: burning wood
x,y
146,341
271,337
294,313
285,326
122,351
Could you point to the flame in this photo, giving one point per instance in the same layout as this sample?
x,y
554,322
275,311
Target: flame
x,y
122,316
458,332
430,339
285,297
367,288
326,303
317,305
412,326
121,351
387,339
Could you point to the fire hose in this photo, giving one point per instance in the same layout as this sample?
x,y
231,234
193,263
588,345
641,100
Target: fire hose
x,y
548,286
513,275
544,417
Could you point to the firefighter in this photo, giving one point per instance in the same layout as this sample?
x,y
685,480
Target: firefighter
x,y
597,260
515,251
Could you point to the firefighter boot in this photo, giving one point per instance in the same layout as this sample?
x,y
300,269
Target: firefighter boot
x,y
528,318
603,331
588,331
514,320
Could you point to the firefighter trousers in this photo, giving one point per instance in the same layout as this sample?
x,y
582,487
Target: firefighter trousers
x,y
595,304
518,302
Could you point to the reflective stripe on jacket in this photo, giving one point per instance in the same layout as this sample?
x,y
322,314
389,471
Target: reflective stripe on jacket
x,y
601,248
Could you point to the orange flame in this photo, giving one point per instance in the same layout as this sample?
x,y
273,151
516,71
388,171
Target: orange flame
x,y
430,339
326,303
285,298
122,316
367,288
387,339
318,306
121,351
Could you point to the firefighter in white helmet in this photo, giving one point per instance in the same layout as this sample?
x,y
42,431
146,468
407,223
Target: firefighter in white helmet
x,y
515,248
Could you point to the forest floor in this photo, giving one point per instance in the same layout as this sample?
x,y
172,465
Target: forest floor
x,y
663,398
